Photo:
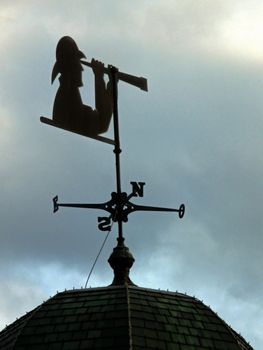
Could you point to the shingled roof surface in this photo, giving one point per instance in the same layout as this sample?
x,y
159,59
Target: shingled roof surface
x,y
121,317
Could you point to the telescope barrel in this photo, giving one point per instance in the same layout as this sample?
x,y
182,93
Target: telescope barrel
x,y
139,82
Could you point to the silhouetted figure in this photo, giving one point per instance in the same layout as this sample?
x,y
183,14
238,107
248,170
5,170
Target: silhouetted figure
x,y
69,110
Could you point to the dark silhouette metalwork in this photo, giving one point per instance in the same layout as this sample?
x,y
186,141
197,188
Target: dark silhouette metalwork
x,y
69,113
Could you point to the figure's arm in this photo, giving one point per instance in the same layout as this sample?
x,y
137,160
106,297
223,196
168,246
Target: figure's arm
x,y
100,86
103,95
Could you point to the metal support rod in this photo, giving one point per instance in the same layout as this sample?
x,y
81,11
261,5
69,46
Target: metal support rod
x,y
117,149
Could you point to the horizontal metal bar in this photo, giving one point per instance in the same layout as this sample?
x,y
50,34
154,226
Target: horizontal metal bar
x,y
149,208
58,125
85,206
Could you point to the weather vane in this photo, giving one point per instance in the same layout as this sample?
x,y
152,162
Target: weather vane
x,y
71,114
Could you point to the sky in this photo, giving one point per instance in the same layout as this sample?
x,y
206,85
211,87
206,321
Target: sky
x,y
195,138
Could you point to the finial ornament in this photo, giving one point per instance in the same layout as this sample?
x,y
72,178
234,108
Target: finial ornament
x,y
121,261
71,114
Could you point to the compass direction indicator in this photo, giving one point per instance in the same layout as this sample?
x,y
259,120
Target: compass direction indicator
x,y
119,207
69,113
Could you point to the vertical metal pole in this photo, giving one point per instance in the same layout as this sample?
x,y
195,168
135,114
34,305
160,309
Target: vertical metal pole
x,y
117,149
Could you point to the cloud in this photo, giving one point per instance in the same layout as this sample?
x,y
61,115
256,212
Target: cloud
x,y
23,296
27,287
241,33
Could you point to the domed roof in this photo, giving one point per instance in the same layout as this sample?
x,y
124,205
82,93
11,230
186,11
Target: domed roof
x,y
121,317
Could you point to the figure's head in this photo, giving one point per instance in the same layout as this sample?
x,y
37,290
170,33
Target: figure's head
x,y
67,51
68,60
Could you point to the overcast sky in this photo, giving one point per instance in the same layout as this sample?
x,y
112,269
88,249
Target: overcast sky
x,y
194,138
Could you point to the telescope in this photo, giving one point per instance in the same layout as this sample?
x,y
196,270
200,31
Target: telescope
x,y
139,82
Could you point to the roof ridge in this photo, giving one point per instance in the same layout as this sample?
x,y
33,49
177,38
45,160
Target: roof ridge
x,y
240,341
30,315
129,316
7,332
167,292
90,289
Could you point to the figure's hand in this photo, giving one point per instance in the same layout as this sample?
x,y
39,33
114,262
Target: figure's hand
x,y
97,67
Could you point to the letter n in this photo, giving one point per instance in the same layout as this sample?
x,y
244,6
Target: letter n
x,y
137,188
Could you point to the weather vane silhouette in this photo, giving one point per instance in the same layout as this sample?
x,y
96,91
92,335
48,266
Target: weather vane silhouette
x,y
71,114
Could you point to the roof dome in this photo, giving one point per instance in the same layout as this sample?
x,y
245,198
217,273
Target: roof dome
x,y
121,317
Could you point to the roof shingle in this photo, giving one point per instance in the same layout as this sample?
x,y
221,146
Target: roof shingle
x,y
121,317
